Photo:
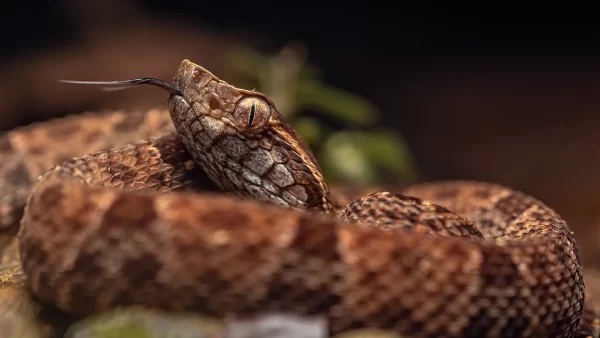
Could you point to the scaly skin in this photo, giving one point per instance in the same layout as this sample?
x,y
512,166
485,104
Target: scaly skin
x,y
111,229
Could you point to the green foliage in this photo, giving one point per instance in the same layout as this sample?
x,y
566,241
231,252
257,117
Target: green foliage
x,y
366,157
361,153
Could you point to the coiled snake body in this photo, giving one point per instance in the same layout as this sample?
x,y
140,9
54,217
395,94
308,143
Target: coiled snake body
x,y
101,231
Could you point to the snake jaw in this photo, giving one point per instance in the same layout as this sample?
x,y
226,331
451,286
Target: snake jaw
x,y
243,143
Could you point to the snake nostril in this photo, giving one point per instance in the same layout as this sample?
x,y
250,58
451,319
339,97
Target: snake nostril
x,y
196,76
214,103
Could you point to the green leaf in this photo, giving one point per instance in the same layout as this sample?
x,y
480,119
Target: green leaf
x,y
343,161
310,129
386,149
360,157
337,103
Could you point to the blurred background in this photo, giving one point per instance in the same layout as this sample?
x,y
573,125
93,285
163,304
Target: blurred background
x,y
386,96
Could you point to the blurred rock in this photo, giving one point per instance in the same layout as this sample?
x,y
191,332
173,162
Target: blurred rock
x,y
278,326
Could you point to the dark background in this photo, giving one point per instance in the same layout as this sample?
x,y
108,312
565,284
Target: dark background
x,y
509,95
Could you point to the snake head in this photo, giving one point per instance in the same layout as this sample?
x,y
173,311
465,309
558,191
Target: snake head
x,y
243,143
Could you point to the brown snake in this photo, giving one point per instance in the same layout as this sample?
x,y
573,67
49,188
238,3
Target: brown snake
x,y
101,231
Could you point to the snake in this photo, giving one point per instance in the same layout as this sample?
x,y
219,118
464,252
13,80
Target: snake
x,y
132,225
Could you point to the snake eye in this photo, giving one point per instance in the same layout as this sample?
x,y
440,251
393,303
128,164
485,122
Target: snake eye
x,y
251,113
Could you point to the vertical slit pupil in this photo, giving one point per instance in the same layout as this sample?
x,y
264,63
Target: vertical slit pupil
x,y
252,112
